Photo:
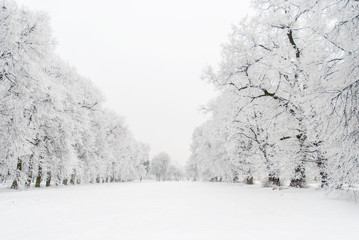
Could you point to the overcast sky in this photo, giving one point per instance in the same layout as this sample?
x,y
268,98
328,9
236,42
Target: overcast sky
x,y
147,58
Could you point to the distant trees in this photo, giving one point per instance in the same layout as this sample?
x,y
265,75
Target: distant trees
x,y
53,127
288,99
159,165
175,172
164,169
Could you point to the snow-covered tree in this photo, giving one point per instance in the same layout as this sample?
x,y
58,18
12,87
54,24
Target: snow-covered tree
x,y
174,173
159,165
54,128
288,95
25,44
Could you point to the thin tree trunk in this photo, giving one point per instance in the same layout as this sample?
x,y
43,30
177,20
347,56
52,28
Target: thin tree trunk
x,y
73,178
48,179
30,174
298,179
321,162
38,178
273,179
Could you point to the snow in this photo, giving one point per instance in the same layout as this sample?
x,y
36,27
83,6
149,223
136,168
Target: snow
x,y
175,210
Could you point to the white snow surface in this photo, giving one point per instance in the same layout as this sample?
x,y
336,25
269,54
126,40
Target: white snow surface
x,y
175,210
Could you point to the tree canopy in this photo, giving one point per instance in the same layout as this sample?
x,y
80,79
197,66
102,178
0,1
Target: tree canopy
x,y
288,104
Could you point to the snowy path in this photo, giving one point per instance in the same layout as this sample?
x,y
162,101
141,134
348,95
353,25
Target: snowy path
x,y
175,210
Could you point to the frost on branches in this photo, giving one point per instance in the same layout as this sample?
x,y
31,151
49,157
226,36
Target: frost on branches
x,y
288,106
53,127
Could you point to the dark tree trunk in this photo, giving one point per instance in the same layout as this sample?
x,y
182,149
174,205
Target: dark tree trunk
x,y
14,184
249,180
64,182
48,179
38,178
73,177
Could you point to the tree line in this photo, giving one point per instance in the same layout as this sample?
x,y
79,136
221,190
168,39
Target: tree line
x,y
54,129
287,106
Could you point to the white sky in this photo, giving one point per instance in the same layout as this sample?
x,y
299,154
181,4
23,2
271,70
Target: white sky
x,y
147,58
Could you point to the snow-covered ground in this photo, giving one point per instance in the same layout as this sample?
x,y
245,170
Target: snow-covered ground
x,y
175,210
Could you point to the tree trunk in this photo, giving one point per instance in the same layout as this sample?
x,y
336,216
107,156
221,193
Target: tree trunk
x,y
15,183
29,179
64,182
58,180
38,178
48,179
249,180
30,174
73,178
298,180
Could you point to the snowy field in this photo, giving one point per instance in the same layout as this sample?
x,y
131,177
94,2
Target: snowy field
x,y
175,210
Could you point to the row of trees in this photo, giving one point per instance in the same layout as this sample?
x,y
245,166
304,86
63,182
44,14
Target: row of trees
x,y
53,127
288,98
